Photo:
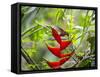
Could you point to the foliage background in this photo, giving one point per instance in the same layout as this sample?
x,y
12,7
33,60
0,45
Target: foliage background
x,y
79,24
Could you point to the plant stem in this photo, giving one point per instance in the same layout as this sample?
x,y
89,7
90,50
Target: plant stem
x,y
28,30
30,60
84,59
33,32
26,58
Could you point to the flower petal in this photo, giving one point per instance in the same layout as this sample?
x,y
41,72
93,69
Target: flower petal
x,y
57,64
62,61
64,44
67,54
54,65
56,35
54,50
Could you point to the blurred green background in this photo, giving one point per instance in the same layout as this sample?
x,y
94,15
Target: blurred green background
x,y
36,31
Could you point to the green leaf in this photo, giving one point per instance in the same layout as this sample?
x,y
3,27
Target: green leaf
x,y
26,20
85,20
85,63
91,40
60,15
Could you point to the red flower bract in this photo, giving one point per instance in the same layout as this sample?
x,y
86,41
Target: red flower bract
x,y
67,54
56,35
57,64
54,65
57,50
64,44
54,50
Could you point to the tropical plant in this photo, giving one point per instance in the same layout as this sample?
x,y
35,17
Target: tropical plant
x,y
57,38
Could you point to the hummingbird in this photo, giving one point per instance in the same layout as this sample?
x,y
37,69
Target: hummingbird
x,y
62,32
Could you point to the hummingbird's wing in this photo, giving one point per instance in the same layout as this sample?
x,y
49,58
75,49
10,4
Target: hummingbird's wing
x,y
62,32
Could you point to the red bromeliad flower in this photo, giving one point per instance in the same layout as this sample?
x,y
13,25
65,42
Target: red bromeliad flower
x,y
67,54
64,44
54,65
57,64
57,50
54,50
56,35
